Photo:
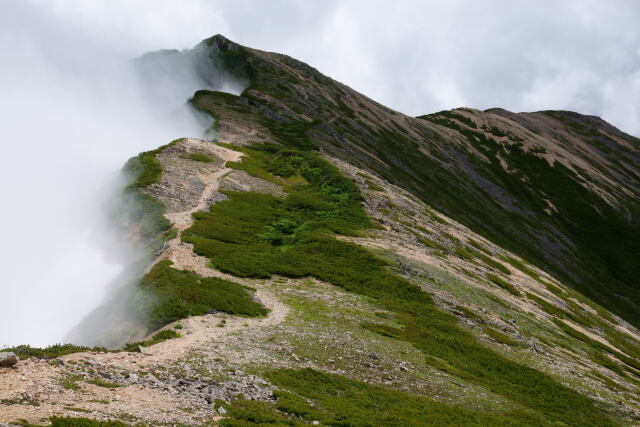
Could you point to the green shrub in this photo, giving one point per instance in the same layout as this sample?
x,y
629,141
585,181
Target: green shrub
x,y
155,339
597,349
501,337
104,384
337,401
469,314
50,352
520,266
545,306
493,263
464,253
503,284
559,312
431,244
373,186
166,295
477,245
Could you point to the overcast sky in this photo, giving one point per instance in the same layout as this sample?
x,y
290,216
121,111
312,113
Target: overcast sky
x,y
72,110
414,56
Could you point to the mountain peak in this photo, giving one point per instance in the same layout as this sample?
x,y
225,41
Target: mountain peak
x,y
463,267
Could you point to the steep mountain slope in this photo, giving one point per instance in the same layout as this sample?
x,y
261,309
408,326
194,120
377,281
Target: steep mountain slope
x,y
560,189
325,260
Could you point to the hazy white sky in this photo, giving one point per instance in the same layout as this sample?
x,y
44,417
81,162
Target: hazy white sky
x,y
415,56
71,111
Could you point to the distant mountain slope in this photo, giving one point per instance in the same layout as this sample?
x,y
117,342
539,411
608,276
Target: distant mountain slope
x,y
558,188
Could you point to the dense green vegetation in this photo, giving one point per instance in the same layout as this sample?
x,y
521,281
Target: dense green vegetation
x,y
448,118
503,284
167,334
165,295
50,352
522,267
257,235
501,337
337,401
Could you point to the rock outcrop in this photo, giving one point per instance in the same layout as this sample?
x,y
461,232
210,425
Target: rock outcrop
x,y
8,359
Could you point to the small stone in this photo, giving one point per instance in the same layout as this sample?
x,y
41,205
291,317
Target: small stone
x,y
537,349
8,359
221,410
374,356
315,422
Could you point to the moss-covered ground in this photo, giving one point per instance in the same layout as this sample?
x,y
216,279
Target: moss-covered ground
x,y
165,295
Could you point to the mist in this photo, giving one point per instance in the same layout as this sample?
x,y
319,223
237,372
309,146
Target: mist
x,y
73,109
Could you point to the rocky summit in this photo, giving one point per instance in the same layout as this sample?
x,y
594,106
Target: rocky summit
x,y
317,258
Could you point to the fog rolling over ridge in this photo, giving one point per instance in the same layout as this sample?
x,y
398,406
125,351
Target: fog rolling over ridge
x,y
73,110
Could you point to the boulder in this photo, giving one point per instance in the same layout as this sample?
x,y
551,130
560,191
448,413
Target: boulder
x,y
8,359
145,351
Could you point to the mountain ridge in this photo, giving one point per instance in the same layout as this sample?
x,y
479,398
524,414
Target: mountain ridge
x,y
364,231
379,135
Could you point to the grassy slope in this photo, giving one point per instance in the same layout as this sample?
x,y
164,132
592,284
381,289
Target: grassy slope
x,y
605,255
256,235
165,294
599,253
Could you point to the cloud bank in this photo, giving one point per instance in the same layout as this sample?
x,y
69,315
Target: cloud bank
x,y
73,109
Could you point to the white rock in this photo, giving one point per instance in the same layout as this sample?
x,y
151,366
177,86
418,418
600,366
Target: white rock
x,y
8,359
145,351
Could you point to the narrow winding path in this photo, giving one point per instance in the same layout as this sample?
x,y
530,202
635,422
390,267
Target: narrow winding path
x,y
39,381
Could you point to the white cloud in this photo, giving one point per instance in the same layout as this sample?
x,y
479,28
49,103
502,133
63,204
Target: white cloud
x,y
415,56
72,111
